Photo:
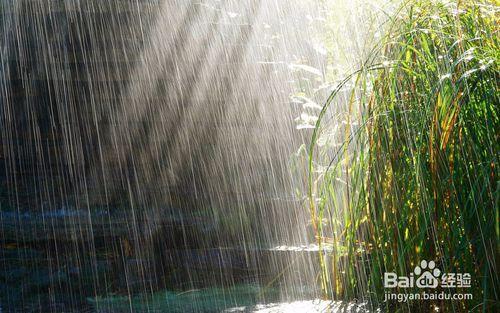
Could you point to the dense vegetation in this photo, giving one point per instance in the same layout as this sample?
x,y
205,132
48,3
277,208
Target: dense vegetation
x,y
415,175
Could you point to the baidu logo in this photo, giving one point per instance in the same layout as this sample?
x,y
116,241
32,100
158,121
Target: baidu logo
x,y
424,275
428,275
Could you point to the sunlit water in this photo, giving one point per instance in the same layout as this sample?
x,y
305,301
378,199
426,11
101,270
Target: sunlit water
x,y
147,157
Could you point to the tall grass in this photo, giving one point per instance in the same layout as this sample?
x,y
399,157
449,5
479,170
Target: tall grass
x,y
414,171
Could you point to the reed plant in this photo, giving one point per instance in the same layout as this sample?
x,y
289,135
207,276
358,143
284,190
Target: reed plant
x,y
411,173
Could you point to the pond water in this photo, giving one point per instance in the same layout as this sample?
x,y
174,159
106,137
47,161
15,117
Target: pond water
x,y
36,286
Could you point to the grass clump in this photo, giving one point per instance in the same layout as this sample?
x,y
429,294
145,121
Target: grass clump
x,y
415,176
